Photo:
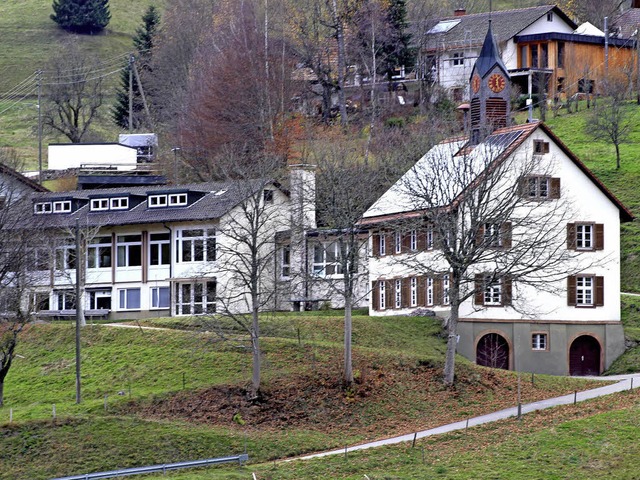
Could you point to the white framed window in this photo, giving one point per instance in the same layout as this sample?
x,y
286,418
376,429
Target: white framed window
x,y
129,250
327,259
177,199
397,241
285,261
584,291
413,240
157,201
492,292
538,188
62,206
445,289
383,244
429,290
414,292
42,207
430,237
196,297
65,255
492,237
99,204
159,249
267,196
99,299
64,300
99,253
398,293
119,203
457,59
584,236
129,298
160,297
196,245
539,341
382,287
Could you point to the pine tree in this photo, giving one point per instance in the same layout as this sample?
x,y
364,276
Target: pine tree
x,y
395,49
143,44
81,16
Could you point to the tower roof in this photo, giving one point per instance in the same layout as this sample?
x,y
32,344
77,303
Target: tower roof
x,y
489,55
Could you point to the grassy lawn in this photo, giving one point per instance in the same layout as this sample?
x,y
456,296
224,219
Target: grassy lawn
x,y
176,395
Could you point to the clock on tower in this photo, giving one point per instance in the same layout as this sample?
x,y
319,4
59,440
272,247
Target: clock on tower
x,y
497,83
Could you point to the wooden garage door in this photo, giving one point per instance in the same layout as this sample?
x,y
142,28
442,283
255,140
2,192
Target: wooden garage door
x,y
584,356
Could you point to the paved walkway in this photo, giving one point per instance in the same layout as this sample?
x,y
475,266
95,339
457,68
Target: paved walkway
x,y
624,382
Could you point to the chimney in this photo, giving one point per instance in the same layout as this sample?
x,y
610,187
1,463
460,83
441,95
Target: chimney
x,y
635,4
461,12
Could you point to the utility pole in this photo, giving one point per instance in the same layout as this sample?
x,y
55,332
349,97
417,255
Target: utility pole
x,y
79,258
606,47
39,83
144,99
638,64
131,60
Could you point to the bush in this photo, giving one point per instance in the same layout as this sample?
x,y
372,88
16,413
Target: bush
x,y
81,16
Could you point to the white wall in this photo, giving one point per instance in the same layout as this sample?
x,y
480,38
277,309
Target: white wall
x,y
66,156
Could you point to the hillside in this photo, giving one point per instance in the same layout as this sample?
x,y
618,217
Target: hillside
x,y
153,396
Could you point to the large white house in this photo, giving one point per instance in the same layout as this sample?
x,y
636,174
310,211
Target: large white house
x,y
184,249
530,235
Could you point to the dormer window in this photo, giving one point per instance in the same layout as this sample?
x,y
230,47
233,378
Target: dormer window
x,y
267,196
177,199
99,204
42,207
156,201
119,203
62,206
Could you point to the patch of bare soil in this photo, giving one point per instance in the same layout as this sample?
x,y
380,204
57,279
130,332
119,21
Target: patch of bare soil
x,y
385,399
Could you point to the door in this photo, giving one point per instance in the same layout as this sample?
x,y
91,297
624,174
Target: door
x,y
493,351
584,356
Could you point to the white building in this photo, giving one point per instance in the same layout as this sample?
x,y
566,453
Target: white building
x,y
537,232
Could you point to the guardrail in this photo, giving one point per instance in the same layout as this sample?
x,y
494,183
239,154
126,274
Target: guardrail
x,y
158,468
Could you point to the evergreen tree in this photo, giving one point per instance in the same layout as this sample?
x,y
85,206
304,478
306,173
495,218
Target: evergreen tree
x,y
143,44
395,49
81,16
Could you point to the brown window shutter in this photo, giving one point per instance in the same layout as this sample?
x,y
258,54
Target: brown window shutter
x,y
406,242
571,236
438,291
390,244
505,234
479,289
599,291
523,183
599,230
422,240
555,188
376,244
506,291
389,294
422,291
480,234
546,147
406,292
571,291
375,295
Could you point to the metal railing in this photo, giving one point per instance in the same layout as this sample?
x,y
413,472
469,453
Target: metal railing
x,y
158,468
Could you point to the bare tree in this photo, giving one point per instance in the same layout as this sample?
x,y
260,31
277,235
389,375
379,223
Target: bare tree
x,y
341,201
495,221
245,251
610,119
74,93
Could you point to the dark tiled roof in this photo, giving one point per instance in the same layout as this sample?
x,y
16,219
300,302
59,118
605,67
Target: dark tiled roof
x,y
489,55
211,205
627,22
506,24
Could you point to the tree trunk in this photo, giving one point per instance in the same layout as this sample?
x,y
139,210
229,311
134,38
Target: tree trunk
x,y
1,393
617,157
348,363
452,330
255,345
337,20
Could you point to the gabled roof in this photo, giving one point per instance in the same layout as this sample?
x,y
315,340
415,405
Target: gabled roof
x,y
470,30
10,172
397,202
215,199
627,23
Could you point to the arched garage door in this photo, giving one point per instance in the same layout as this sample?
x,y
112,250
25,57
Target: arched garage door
x,y
493,351
584,356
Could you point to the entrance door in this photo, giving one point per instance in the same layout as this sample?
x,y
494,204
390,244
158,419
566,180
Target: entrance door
x,y
493,351
584,356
